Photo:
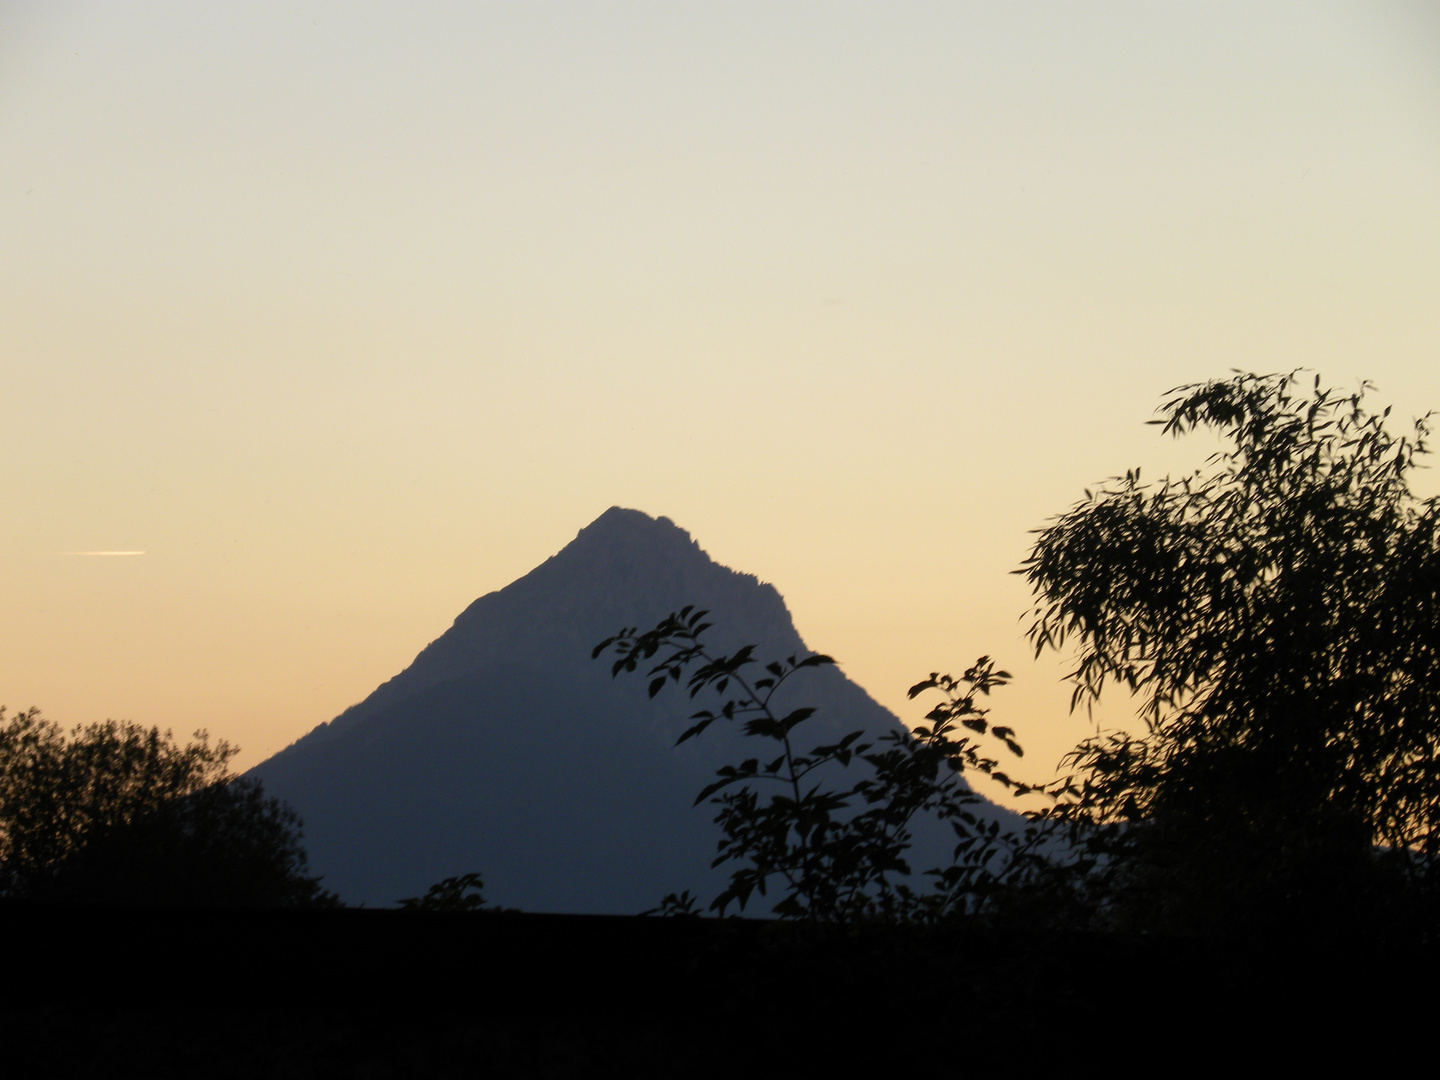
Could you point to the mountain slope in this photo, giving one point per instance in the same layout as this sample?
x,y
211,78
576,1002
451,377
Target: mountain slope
x,y
505,748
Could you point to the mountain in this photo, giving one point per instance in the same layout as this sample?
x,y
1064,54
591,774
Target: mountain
x,y
505,748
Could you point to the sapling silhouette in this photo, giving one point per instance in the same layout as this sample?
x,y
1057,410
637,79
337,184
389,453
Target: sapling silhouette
x,y
839,853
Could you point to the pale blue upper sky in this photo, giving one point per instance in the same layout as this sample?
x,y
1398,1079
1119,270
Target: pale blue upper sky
x,y
348,313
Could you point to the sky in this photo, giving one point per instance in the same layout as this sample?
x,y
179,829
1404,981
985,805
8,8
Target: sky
x,y
345,314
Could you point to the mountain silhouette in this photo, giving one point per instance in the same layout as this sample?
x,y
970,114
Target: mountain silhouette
x,y
505,748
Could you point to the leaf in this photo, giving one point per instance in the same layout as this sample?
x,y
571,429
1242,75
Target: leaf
x,y
814,661
694,730
764,726
796,717
712,788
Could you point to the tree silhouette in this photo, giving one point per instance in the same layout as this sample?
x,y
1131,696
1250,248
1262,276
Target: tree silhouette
x,y
1276,615
121,813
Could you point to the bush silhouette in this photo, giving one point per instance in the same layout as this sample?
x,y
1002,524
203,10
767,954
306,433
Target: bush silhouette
x,y
119,813
463,893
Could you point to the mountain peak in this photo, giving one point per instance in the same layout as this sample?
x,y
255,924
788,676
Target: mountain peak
x,y
622,518
618,527
505,747
625,568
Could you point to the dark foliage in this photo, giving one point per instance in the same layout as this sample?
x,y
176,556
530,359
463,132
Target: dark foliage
x,y
118,813
1276,615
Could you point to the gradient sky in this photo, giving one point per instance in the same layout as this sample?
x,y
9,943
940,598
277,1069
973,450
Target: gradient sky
x,y
348,313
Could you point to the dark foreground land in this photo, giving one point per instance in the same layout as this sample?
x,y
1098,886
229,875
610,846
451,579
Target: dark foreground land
x,y
360,993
